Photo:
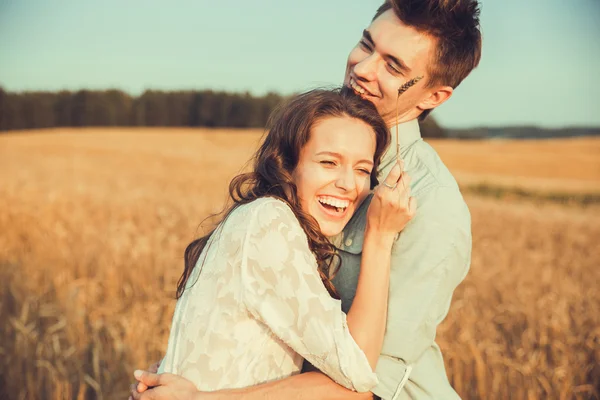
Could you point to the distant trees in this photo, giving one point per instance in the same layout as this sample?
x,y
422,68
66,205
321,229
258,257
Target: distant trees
x,y
431,129
33,110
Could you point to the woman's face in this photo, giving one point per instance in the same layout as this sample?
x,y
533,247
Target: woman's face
x,y
333,174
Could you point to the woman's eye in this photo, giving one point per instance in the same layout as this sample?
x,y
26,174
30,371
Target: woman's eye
x,y
328,162
365,171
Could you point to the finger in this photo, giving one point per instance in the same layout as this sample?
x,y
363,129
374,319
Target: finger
x,y
392,178
402,182
404,190
141,387
404,197
136,396
412,206
147,378
153,368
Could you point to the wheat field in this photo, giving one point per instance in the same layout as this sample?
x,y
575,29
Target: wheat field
x,y
94,222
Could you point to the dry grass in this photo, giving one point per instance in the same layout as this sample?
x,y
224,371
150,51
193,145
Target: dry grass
x,y
94,224
557,165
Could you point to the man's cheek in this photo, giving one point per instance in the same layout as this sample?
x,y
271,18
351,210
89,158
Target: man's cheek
x,y
355,56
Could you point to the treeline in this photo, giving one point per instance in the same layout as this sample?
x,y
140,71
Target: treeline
x,y
34,110
207,108
522,132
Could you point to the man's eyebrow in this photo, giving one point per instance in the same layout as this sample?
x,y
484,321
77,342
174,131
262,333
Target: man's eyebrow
x,y
399,63
367,36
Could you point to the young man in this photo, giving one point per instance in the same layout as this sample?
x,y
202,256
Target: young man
x,y
435,43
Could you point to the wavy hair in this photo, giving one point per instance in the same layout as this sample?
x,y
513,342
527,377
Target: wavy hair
x,y
289,129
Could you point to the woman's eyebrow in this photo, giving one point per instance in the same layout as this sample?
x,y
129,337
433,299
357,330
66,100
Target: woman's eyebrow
x,y
330,153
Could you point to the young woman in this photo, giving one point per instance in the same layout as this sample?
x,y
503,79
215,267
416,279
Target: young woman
x,y
256,298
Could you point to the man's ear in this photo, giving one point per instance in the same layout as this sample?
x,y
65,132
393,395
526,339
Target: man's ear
x,y
439,96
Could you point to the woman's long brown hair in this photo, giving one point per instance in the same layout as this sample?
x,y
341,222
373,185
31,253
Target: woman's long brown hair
x,y
273,164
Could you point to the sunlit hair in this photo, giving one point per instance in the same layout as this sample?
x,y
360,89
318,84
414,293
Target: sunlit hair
x,y
454,25
289,129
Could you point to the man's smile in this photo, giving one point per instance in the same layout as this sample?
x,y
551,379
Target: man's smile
x,y
358,89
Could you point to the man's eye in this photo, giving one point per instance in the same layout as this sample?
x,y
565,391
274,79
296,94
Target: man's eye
x,y
393,69
364,45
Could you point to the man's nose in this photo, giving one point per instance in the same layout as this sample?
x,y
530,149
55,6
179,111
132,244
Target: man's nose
x,y
366,70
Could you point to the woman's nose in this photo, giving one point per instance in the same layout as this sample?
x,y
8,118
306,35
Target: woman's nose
x,y
345,180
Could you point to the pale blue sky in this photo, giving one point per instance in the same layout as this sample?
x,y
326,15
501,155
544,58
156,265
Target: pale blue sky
x,y
540,64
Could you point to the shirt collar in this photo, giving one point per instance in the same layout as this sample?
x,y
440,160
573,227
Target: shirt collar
x,y
408,132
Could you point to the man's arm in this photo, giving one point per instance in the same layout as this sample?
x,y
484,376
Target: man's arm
x,y
310,385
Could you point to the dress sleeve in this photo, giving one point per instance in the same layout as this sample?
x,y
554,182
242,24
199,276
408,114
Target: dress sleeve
x,y
282,288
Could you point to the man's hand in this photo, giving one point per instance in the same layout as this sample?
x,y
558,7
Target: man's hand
x,y
163,387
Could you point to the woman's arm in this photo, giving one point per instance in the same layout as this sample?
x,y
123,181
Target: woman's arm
x,y
368,314
390,210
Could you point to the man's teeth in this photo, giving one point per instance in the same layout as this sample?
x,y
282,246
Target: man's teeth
x,y
356,87
332,201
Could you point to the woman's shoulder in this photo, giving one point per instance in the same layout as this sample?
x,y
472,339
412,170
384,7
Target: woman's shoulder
x,y
263,209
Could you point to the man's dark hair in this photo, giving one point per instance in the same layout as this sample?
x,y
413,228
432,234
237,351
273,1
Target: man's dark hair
x,y
454,24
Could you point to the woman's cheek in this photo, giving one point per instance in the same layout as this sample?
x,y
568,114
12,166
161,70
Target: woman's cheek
x,y
364,186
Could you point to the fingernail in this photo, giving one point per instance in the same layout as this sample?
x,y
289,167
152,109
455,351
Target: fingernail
x,y
137,373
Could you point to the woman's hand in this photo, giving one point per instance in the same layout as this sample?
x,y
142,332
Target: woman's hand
x,y
164,387
140,387
392,207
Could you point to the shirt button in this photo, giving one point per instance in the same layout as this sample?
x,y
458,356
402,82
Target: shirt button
x,y
348,242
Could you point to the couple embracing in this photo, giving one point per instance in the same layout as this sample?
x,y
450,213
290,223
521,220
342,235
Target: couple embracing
x,y
330,272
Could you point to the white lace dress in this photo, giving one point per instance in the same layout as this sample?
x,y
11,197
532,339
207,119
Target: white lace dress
x,y
258,307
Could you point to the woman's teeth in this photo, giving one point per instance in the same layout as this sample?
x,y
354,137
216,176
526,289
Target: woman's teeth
x,y
340,205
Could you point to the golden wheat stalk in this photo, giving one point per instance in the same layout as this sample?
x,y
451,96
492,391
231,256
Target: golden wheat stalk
x,y
401,90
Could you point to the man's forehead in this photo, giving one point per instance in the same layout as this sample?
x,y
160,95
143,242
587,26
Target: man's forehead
x,y
394,38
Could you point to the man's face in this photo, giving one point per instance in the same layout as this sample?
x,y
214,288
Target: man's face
x,y
388,55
